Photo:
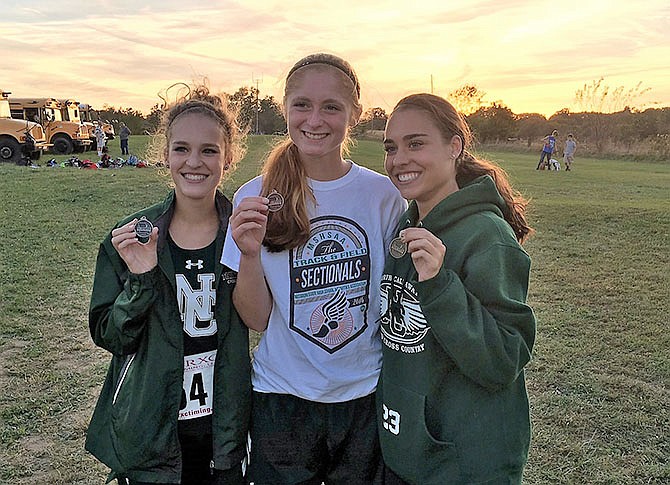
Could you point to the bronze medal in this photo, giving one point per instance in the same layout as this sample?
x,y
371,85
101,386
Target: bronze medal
x,y
143,229
398,248
276,201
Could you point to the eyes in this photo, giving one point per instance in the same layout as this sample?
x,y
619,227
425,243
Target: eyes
x,y
183,149
391,148
302,105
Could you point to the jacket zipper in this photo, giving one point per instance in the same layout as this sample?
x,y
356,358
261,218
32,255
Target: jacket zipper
x,y
124,373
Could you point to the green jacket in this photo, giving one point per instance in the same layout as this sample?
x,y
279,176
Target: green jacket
x,y
136,317
453,407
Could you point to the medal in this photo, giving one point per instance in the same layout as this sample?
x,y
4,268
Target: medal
x,y
398,248
143,229
276,201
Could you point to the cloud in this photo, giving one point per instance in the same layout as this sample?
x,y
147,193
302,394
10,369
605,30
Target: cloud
x,y
525,53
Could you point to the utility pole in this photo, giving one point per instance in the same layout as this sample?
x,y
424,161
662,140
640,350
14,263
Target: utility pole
x,y
258,105
431,84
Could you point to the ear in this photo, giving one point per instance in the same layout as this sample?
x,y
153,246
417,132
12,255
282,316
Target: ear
x,y
456,145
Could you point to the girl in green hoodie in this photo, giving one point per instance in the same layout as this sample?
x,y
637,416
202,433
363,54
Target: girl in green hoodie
x,y
455,326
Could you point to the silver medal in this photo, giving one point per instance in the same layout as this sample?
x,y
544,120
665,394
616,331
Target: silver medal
x,y
398,248
276,201
143,229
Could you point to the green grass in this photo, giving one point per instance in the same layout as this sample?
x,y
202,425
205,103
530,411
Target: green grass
x,y
599,380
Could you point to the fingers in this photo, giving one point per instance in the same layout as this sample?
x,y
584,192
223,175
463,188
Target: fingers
x,y
418,238
125,236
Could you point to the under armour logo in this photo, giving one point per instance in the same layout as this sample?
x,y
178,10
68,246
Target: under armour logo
x,y
190,264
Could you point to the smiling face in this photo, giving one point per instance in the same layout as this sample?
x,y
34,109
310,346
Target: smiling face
x,y
196,154
419,161
319,112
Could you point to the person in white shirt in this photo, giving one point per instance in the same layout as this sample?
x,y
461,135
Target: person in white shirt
x,y
308,238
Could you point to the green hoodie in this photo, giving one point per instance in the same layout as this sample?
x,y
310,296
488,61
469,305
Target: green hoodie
x,y
135,317
452,399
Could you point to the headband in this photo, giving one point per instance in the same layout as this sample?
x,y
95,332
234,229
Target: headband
x,y
338,65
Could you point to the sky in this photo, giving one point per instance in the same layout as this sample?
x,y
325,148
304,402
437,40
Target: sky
x,y
531,55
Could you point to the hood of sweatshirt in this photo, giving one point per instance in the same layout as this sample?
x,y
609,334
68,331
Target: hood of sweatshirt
x,y
480,195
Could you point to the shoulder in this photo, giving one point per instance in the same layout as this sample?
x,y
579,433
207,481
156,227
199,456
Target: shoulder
x,y
375,181
151,212
249,189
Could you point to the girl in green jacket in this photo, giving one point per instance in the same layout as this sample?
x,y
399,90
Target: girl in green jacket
x,y
175,405
455,326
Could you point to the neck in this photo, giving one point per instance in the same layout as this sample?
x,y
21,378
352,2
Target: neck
x,y
323,169
194,225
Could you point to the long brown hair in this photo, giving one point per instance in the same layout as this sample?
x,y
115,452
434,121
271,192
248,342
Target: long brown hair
x,y
468,167
283,170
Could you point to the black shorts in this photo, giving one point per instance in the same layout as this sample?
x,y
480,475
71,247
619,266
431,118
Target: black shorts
x,y
294,441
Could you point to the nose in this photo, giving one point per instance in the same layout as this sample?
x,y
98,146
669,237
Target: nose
x,y
193,159
400,157
314,118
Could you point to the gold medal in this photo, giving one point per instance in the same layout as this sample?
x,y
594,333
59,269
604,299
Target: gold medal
x,y
143,229
276,201
398,248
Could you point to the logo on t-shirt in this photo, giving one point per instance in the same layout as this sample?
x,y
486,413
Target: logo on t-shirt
x,y
196,306
403,324
330,283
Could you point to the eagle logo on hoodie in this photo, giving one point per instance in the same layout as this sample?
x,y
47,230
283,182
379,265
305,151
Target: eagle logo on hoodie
x,y
402,320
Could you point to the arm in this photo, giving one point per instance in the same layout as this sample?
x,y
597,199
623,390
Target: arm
x,y
489,330
123,289
251,297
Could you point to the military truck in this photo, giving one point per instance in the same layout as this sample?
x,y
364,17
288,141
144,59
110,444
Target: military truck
x,y
65,137
89,115
19,140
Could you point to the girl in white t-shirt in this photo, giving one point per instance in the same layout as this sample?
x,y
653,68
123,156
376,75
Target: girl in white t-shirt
x,y
308,238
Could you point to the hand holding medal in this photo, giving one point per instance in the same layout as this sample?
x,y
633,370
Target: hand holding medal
x,y
426,249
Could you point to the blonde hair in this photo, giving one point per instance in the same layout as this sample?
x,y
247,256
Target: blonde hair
x,y
451,123
283,170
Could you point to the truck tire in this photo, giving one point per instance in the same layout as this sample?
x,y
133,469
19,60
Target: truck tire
x,y
62,145
10,150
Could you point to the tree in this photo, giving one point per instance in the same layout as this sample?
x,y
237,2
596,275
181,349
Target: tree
x,y
531,126
492,123
153,120
270,117
467,99
245,101
373,119
596,99
599,98
258,116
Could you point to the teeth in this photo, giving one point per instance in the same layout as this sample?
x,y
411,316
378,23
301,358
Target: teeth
x,y
315,136
194,176
406,177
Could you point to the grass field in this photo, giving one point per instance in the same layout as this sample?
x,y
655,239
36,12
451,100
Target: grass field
x,y
600,285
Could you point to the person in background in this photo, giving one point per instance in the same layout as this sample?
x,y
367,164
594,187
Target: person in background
x,y
308,238
105,159
124,134
548,148
569,152
456,329
100,137
175,404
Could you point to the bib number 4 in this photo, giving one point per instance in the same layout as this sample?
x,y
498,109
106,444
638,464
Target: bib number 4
x,y
198,386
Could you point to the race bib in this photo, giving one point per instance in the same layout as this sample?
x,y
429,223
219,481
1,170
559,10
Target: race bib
x,y
198,390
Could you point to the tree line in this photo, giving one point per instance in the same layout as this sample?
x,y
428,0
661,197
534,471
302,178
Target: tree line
x,y
626,129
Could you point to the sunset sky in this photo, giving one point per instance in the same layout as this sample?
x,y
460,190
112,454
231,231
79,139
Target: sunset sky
x,y
533,55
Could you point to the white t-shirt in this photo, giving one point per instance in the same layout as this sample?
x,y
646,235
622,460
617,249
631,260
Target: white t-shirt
x,y
322,342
